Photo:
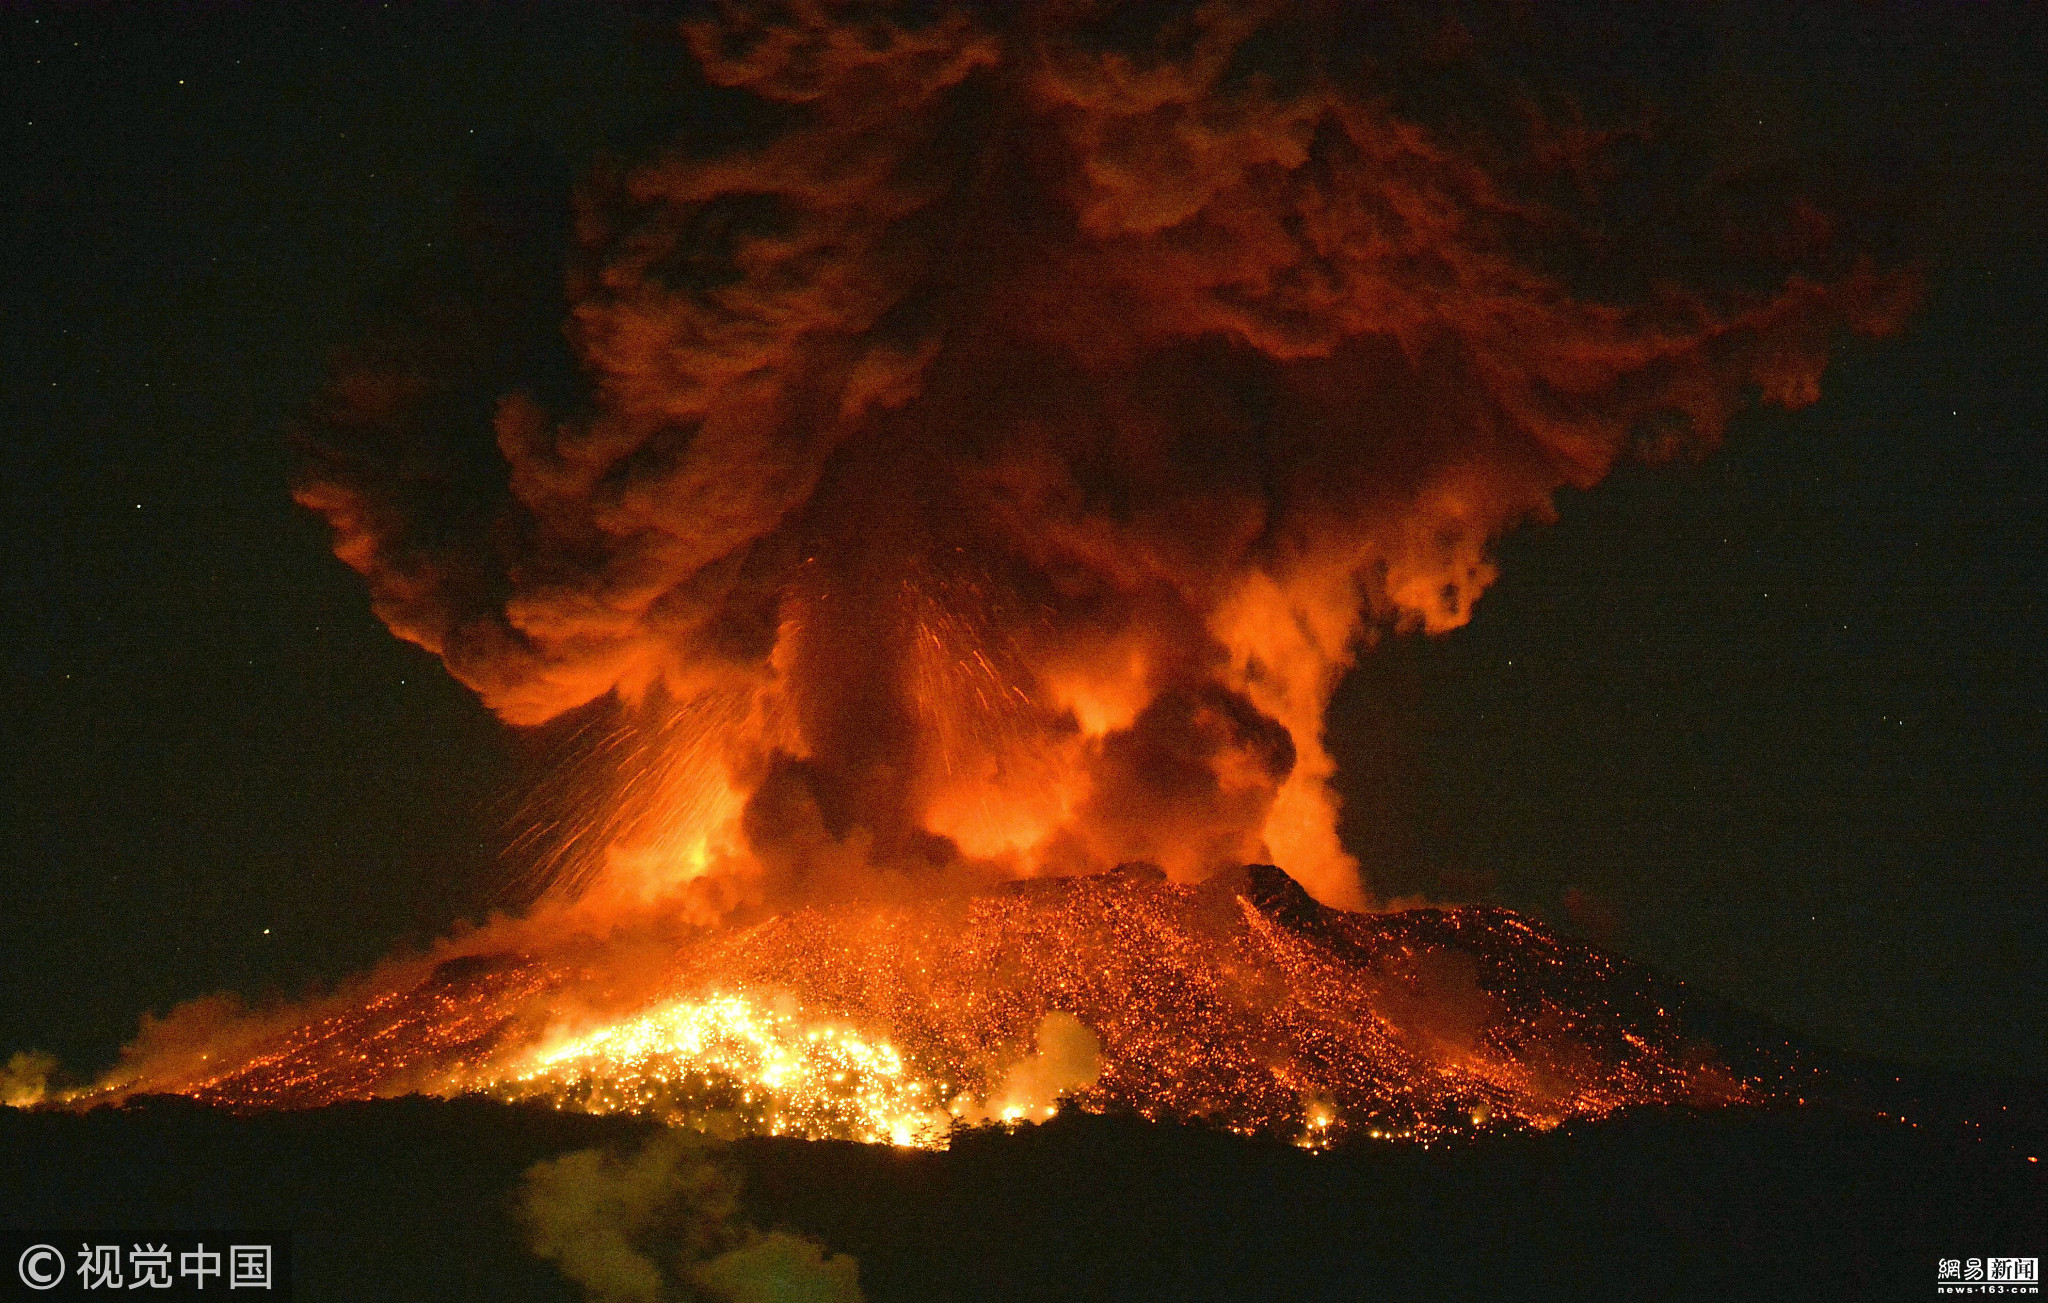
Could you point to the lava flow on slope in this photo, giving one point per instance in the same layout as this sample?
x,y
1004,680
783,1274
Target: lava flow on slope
x,y
1239,1002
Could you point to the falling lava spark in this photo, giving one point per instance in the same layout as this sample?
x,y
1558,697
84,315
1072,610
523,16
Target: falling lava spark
x,y
1239,1003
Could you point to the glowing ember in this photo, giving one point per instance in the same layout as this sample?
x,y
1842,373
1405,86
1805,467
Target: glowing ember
x,y
1240,1003
725,1064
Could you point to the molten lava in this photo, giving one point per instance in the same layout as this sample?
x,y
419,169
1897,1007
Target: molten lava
x,y
1240,1003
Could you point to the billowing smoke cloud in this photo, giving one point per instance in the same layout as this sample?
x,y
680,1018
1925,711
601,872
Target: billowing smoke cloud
x,y
995,462
663,1224
26,1078
1065,1056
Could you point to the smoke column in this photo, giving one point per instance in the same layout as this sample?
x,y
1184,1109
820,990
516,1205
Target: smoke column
x,y
988,461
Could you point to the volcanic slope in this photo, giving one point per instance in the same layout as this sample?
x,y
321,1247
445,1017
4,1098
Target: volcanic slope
x,y
1239,1003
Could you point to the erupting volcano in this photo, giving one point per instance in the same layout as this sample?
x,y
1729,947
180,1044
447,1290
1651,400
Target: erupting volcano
x,y
998,430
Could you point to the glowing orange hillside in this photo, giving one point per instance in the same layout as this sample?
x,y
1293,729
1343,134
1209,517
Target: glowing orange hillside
x,y
1240,1002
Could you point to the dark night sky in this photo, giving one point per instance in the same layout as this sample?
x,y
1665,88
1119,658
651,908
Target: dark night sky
x,y
1773,723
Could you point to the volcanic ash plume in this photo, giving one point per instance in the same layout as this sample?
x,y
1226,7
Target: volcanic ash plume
x,y
990,464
